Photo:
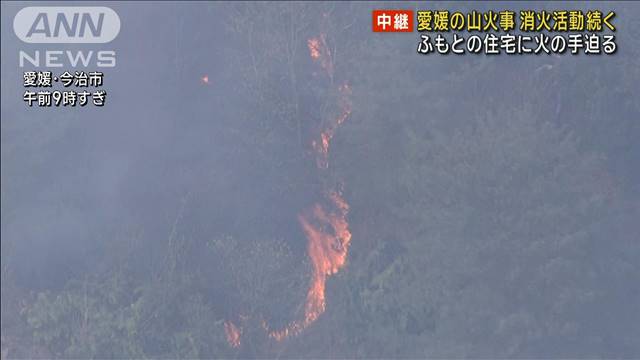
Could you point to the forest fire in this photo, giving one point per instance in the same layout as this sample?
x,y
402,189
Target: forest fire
x,y
319,51
326,228
233,334
322,147
329,237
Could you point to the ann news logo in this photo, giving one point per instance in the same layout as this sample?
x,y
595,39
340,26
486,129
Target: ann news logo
x,y
66,24
83,25
392,20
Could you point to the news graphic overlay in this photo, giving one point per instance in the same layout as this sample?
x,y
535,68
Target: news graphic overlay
x,y
55,76
504,31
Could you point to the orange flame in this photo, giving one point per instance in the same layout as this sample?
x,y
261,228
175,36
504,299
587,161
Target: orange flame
x,y
319,51
327,231
329,237
314,48
322,146
233,334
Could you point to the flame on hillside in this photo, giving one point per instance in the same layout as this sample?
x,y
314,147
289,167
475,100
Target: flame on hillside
x,y
325,226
